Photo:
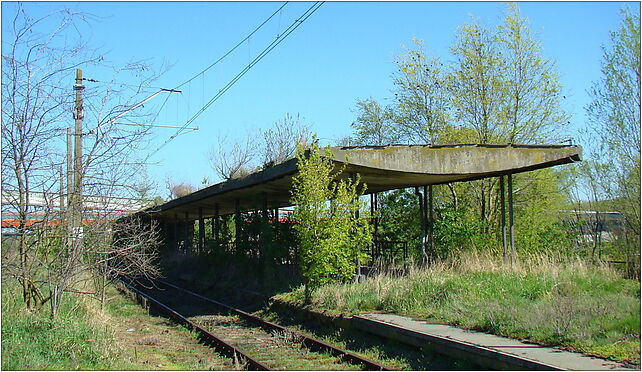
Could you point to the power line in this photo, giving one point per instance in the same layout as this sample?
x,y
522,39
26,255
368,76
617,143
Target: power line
x,y
234,48
297,22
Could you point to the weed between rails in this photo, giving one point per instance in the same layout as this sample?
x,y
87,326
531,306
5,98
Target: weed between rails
x,y
550,300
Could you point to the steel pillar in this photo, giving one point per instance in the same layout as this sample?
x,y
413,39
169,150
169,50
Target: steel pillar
x,y
237,221
356,215
430,222
201,231
511,220
216,226
422,220
175,241
186,236
502,201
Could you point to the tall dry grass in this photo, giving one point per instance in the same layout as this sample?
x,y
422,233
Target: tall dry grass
x,y
550,299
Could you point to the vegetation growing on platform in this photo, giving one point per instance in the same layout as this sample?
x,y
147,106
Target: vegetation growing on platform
x,y
330,235
583,307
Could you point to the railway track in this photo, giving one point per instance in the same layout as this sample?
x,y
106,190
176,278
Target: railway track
x,y
251,341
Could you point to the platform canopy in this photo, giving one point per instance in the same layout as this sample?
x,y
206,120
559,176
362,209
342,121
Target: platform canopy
x,y
381,168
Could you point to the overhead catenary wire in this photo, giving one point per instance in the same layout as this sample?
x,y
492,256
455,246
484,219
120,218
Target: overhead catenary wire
x,y
160,89
279,39
233,48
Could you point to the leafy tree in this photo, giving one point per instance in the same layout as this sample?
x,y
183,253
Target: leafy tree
x,y
476,84
331,236
499,89
614,117
374,124
531,111
422,100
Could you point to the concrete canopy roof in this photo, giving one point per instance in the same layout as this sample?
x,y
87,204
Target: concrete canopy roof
x,y
380,167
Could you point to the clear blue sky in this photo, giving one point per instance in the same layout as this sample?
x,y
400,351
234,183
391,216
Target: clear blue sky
x,y
344,51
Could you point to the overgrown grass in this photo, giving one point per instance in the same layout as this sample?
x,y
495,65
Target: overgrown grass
x,y
554,301
83,337
32,340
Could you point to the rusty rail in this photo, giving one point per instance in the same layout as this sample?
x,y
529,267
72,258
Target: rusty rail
x,y
204,336
311,343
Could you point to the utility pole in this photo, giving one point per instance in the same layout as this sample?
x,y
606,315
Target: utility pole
x,y
70,178
77,172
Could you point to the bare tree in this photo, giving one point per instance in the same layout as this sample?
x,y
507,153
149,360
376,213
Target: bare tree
x,y
37,99
180,189
280,141
130,250
233,159
34,103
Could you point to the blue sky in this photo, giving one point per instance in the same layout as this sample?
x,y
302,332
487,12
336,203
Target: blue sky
x,y
344,51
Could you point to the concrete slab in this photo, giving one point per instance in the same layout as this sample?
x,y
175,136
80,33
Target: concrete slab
x,y
482,348
381,168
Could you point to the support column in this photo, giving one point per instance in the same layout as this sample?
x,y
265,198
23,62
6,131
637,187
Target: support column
x,y
422,220
502,201
376,215
187,239
201,231
166,239
356,215
237,221
430,220
373,219
264,220
265,255
511,220
216,226
175,242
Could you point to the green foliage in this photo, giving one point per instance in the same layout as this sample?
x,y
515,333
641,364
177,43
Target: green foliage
x,y
614,116
374,124
537,205
32,340
531,111
498,89
399,216
476,85
330,234
421,96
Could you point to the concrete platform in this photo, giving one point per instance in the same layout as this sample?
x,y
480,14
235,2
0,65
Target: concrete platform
x,y
484,349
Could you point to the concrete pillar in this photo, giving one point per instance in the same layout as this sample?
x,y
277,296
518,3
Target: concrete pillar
x,y
511,220
201,231
502,201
